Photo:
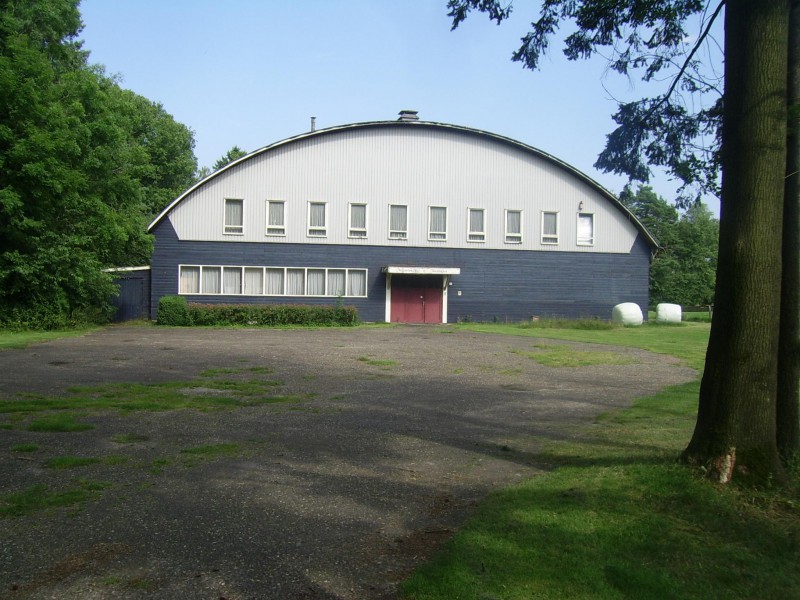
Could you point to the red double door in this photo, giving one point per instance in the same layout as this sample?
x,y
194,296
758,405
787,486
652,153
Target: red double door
x,y
416,298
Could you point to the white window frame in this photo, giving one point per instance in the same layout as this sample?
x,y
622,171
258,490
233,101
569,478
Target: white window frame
x,y
436,236
203,270
476,236
228,228
241,281
548,238
245,289
358,233
584,241
199,276
317,231
398,234
349,273
276,230
513,238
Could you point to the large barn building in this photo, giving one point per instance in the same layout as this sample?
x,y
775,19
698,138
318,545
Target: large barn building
x,y
408,221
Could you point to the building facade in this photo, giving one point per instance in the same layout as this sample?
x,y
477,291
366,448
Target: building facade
x,y
408,221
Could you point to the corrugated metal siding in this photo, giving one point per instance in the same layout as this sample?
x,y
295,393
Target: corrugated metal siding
x,y
500,284
419,167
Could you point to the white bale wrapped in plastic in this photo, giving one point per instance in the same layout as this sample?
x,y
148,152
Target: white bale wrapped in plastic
x,y
668,313
628,314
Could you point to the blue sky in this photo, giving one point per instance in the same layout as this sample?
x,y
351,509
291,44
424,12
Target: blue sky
x,y
250,72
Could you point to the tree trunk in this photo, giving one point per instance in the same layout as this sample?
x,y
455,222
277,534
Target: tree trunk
x,y
788,417
736,421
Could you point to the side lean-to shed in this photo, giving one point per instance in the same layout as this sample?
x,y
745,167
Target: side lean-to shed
x,y
408,221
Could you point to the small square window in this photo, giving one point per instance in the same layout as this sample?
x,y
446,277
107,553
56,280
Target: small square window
x,y
210,279
253,281
337,279
356,282
189,280
234,216
232,280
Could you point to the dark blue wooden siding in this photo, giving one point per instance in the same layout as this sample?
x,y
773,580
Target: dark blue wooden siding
x,y
501,284
133,301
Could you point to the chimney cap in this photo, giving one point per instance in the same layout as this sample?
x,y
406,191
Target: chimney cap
x,y
408,115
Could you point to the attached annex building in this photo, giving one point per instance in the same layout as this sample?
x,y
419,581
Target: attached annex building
x,y
409,221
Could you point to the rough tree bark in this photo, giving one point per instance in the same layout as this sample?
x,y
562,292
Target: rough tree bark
x,y
736,422
788,409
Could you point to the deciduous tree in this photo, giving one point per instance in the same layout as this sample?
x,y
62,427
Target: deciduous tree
x,y
230,156
737,423
683,269
77,172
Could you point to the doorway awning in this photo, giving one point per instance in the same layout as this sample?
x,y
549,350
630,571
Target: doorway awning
x,y
401,270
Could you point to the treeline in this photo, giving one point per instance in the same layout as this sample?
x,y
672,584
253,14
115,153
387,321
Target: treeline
x,y
683,270
84,166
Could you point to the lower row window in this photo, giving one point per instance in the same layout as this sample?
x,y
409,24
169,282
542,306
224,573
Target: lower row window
x,y
272,281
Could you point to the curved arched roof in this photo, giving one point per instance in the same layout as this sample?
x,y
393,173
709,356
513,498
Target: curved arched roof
x,y
429,125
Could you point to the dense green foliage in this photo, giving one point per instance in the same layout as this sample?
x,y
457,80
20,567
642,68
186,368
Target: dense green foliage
x,y
173,310
683,270
83,166
230,156
176,311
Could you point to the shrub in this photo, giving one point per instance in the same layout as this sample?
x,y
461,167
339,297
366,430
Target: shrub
x,y
173,310
271,314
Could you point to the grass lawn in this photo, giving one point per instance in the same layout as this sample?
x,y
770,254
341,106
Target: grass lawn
x,y
616,517
21,339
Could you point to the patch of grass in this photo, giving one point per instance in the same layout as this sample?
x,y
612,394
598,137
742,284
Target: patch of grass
x,y
158,465
688,343
213,450
115,459
24,447
58,423
39,497
207,394
579,324
70,462
21,339
375,362
235,371
618,518
511,372
562,355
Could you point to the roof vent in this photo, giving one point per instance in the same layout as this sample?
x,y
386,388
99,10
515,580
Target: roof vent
x,y
408,115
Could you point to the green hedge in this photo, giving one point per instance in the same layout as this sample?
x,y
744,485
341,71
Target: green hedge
x,y
173,310
271,314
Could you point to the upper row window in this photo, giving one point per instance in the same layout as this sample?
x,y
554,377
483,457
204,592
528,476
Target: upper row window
x,y
234,216
549,227
317,219
398,222
358,221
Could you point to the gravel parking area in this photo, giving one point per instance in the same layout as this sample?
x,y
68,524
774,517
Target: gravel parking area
x,y
395,435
